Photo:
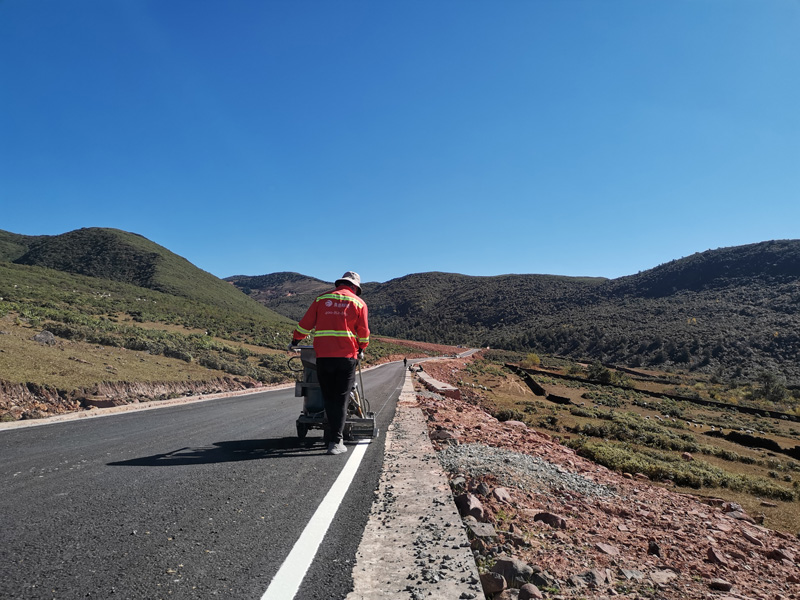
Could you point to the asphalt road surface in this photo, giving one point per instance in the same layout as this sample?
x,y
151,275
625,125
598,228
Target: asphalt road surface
x,y
200,500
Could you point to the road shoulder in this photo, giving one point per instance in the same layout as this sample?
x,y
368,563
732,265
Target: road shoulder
x,y
414,545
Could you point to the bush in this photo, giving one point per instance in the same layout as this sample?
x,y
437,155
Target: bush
x,y
597,372
580,411
508,415
531,361
658,467
575,369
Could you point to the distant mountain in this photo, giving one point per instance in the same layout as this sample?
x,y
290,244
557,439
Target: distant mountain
x,y
14,245
768,263
731,311
286,293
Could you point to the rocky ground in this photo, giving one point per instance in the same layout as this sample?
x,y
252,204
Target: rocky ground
x,y
546,523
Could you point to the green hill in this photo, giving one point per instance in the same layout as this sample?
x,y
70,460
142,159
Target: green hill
x,y
125,257
732,312
14,245
287,293
765,264
120,290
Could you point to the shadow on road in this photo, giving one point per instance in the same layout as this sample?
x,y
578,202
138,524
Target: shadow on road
x,y
229,452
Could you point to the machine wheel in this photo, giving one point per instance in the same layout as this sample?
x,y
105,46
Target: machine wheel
x,y
302,430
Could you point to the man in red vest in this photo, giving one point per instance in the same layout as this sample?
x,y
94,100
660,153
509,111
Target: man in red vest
x,y
341,333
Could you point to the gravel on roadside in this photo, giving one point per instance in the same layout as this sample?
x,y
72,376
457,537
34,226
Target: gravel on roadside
x,y
514,469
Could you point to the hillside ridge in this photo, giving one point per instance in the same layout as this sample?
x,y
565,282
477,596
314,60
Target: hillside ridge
x,y
116,255
730,311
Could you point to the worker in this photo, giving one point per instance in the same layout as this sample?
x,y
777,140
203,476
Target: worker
x,y
341,333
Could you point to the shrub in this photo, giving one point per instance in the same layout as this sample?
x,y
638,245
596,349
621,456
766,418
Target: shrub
x,y
597,372
508,415
531,361
575,369
580,411
658,467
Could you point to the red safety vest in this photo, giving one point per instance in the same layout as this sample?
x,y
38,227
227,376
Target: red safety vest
x,y
339,321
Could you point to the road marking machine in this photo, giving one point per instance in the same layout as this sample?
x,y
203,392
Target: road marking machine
x,y
360,421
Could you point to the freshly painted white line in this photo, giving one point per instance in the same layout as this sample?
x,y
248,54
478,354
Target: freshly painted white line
x,y
388,398
287,580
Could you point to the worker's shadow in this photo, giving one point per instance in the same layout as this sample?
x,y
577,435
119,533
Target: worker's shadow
x,y
230,452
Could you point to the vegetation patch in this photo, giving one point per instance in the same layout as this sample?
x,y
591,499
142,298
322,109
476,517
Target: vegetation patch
x,y
677,443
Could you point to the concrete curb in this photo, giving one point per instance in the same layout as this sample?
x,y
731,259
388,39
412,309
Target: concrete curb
x,y
414,545
434,385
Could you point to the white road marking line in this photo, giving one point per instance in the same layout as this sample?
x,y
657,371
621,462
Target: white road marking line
x,y
387,401
389,397
287,580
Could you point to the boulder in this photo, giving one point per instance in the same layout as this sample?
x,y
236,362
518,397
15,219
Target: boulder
x,y
493,583
458,482
501,495
555,521
739,516
720,585
469,505
594,578
46,338
515,572
607,549
634,574
716,557
443,435
478,529
751,537
781,554
663,577
530,592
482,489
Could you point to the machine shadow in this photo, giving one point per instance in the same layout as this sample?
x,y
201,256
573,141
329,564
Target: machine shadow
x,y
234,451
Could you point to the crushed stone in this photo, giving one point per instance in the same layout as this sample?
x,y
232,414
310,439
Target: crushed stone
x,y
513,469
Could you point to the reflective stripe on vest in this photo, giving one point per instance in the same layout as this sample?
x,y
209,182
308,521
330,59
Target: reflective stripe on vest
x,y
341,297
335,333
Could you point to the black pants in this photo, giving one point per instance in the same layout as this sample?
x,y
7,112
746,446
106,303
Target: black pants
x,y
336,376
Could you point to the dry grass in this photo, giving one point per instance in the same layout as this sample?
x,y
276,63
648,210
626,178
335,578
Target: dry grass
x,y
70,365
508,392
783,517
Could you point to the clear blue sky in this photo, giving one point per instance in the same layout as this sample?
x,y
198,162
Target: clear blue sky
x,y
568,137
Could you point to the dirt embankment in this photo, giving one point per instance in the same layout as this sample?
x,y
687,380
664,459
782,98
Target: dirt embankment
x,y
577,530
33,401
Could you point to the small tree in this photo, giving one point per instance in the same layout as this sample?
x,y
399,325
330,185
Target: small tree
x,y
531,361
772,388
597,372
575,369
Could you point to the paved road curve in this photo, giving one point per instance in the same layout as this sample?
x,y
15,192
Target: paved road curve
x,y
196,501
